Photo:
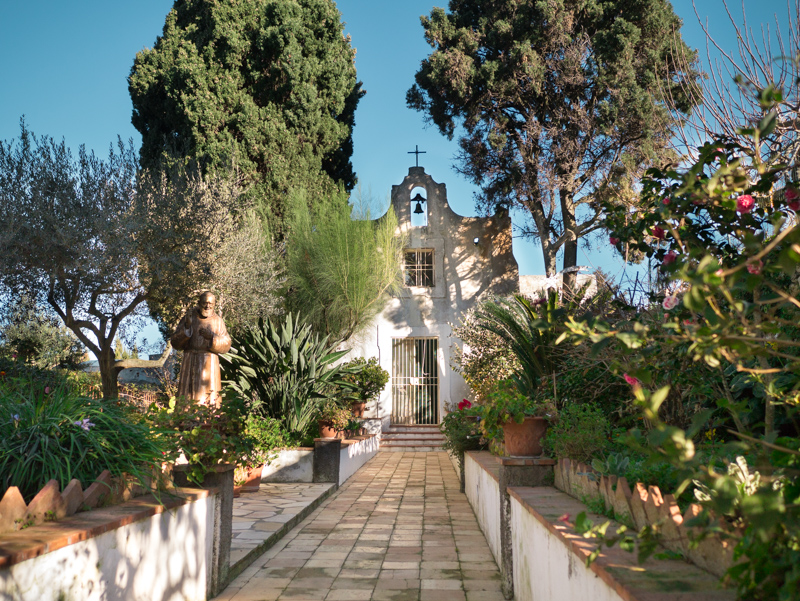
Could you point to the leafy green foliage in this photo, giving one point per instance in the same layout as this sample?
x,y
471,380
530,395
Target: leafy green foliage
x,y
525,326
206,435
268,85
729,248
283,370
36,336
461,429
334,414
340,268
578,432
488,358
563,104
51,432
267,435
368,381
506,403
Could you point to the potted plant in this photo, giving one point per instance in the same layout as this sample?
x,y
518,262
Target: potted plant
x,y
367,381
521,422
332,418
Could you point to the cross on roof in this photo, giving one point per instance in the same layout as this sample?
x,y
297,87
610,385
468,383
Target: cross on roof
x,y
417,152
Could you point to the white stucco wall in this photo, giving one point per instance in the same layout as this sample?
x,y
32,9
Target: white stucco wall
x,y
544,568
166,557
483,493
353,456
291,465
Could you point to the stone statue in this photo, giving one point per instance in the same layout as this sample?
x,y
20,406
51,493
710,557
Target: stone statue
x,y
202,337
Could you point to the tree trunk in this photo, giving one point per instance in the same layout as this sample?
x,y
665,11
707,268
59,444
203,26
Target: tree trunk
x,y
108,374
571,240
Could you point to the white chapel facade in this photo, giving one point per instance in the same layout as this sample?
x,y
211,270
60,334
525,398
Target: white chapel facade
x,y
450,262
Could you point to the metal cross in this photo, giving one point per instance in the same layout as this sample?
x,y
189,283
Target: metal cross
x,y
417,152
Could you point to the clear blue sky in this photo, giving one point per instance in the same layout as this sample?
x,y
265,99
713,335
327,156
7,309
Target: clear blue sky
x,y
64,66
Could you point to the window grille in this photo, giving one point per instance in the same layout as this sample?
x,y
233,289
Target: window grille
x,y
415,381
419,268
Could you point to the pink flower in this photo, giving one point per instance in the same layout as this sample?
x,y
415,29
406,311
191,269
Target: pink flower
x,y
755,268
665,201
465,404
792,199
745,203
670,303
670,257
47,390
635,382
563,518
614,241
658,233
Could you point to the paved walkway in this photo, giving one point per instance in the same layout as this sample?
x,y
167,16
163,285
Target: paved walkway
x,y
397,530
259,515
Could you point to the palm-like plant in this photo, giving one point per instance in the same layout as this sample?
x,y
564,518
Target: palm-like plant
x,y
527,327
284,370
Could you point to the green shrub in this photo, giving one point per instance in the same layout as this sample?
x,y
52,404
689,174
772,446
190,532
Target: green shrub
x,y
368,381
580,432
205,434
462,431
506,403
53,433
267,435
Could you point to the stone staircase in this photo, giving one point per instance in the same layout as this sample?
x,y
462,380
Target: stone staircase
x,y
413,439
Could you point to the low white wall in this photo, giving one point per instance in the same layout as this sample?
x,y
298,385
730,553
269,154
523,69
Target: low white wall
x,y
454,461
166,557
354,455
483,493
544,568
291,465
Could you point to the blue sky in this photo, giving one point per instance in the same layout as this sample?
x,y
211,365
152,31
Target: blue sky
x,y
64,66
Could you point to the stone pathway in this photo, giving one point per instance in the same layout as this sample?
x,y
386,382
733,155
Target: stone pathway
x,y
258,516
397,530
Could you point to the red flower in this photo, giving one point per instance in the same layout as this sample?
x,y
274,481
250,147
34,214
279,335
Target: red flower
x,y
670,257
614,241
745,203
465,404
635,382
659,233
665,201
755,268
792,199
563,518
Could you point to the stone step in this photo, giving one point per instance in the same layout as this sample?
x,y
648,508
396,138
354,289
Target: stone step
x,y
412,441
414,427
410,435
408,449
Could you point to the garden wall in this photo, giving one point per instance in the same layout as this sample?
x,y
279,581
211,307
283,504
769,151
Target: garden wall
x,y
291,465
482,487
135,551
541,556
354,453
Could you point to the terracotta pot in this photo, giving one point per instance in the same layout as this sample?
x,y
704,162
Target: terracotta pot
x,y
357,409
525,439
326,430
253,480
237,492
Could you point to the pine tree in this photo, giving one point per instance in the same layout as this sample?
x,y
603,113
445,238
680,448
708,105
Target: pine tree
x,y
562,104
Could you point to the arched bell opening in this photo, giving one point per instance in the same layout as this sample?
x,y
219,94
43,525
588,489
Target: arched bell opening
x,y
419,207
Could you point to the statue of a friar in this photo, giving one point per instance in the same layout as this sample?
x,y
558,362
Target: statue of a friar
x,y
202,337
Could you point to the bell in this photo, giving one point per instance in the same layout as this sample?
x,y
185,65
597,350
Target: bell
x,y
419,200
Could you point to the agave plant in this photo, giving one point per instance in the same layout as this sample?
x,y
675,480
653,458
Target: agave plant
x,y
284,370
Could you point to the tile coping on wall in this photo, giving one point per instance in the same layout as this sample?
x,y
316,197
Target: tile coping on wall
x,y
654,580
347,441
16,547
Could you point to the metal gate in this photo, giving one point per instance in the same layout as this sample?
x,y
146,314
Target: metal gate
x,y
415,381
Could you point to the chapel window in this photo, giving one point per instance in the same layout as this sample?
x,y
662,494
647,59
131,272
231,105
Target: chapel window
x,y
419,267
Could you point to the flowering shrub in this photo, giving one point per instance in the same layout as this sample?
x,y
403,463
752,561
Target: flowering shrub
x,y
732,248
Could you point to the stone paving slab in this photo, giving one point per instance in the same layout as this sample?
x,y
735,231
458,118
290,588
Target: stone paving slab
x,y
398,530
261,518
